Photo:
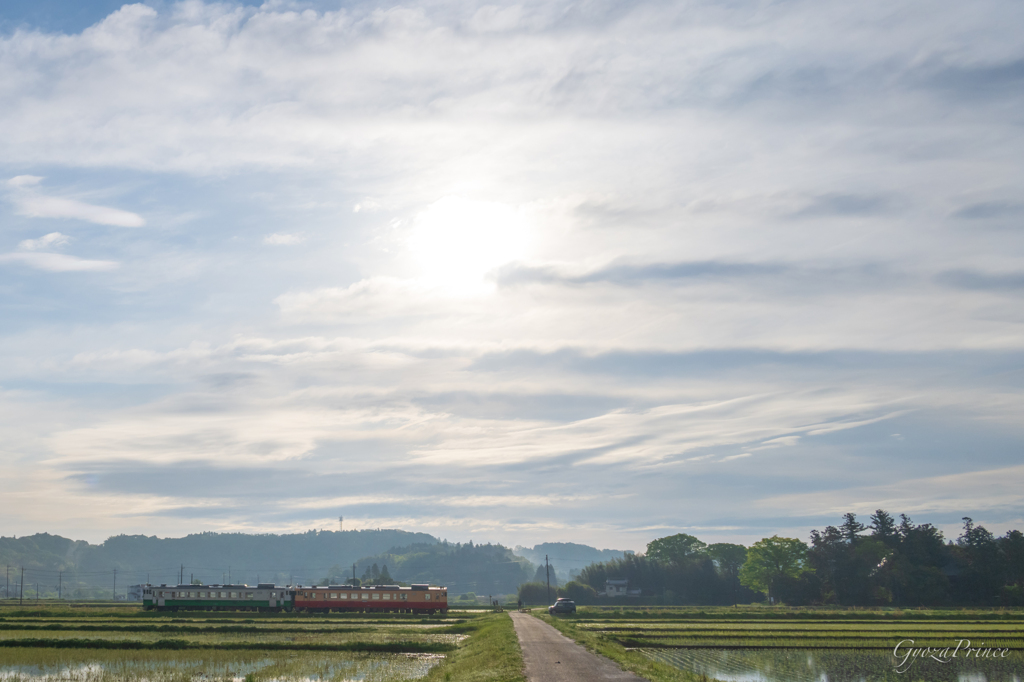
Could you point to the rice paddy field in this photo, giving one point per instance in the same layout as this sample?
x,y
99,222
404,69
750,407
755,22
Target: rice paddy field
x,y
68,644
798,645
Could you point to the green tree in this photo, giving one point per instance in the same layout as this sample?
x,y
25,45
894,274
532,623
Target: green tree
x,y
883,527
675,548
543,573
535,593
578,592
770,559
729,559
851,527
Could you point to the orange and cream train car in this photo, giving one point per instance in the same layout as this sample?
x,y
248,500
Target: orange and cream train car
x,y
379,598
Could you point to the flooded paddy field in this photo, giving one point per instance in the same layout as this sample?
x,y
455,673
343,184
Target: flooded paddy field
x,y
746,644
76,665
106,645
833,665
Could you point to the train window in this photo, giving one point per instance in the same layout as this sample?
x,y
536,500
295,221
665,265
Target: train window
x,y
405,597
365,596
387,595
234,595
248,595
426,596
344,595
334,595
376,595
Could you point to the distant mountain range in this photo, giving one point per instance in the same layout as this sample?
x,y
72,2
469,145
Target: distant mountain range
x,y
568,558
80,569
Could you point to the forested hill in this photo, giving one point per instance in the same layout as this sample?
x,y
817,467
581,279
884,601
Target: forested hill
x,y
482,569
298,558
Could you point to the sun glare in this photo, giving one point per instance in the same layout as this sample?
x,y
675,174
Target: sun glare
x,y
458,241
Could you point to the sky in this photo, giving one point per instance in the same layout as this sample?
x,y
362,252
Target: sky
x,y
575,270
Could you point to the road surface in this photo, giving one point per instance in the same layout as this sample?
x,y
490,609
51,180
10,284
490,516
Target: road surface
x,y
550,656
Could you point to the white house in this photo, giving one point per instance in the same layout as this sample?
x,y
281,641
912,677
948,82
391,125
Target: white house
x,y
616,588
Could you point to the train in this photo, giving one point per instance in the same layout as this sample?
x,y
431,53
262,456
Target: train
x,y
421,599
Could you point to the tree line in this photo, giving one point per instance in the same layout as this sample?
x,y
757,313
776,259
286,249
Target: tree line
x,y
883,563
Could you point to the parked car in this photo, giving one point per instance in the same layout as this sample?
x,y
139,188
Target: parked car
x,y
563,605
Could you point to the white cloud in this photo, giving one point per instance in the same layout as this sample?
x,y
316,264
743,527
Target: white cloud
x,y
732,457
372,298
33,204
983,490
47,241
283,239
58,262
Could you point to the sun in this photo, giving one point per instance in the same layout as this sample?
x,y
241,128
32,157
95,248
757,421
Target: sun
x,y
456,242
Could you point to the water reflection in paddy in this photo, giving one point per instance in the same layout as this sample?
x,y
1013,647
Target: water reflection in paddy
x,y
115,666
832,665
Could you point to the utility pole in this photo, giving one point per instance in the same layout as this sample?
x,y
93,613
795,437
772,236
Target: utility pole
x,y
229,574
115,584
21,588
7,590
181,575
37,591
60,584
547,573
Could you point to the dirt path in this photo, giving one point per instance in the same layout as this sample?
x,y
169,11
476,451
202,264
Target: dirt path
x,y
550,656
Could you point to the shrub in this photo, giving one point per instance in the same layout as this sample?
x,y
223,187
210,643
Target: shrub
x,y
578,592
535,593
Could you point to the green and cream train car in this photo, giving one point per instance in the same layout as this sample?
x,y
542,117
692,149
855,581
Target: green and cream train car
x,y
262,597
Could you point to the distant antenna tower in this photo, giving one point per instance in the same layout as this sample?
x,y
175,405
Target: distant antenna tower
x,y
341,523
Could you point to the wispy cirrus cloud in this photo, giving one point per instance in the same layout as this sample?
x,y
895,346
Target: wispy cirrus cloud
x,y
29,201
47,241
58,262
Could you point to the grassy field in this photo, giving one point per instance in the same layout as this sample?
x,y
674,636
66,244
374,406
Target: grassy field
x,y
490,654
796,644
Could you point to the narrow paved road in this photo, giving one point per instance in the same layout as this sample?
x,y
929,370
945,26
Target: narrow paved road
x,y
550,656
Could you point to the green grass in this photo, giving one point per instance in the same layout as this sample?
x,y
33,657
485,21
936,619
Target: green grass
x,y
491,653
786,613
804,634
397,646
